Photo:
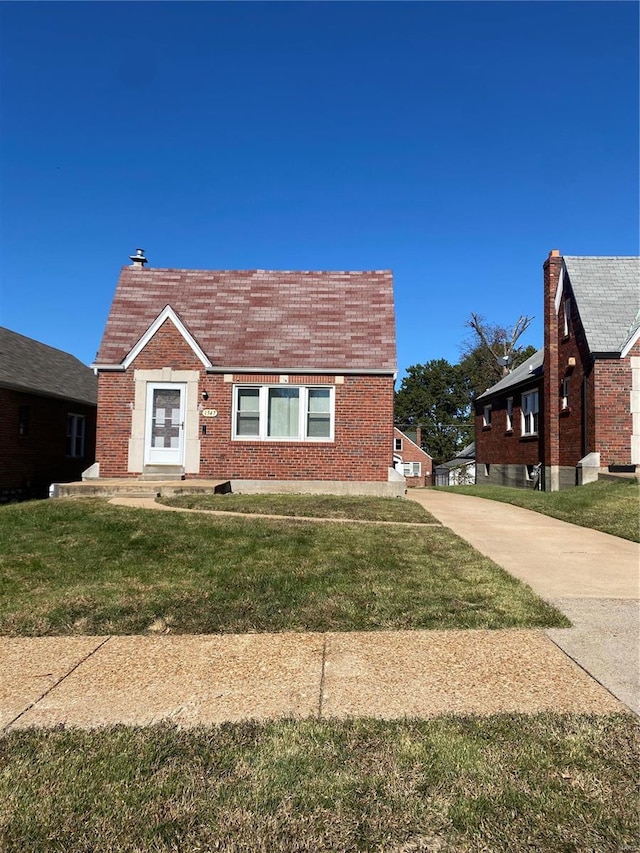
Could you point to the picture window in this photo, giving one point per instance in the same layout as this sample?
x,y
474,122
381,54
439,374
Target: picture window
x,y
276,413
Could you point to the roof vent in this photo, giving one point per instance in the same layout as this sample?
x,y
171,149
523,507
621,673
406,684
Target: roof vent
x,y
138,260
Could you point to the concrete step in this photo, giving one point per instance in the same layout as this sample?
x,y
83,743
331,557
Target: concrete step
x,y
131,488
162,473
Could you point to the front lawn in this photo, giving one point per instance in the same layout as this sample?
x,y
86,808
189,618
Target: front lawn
x,y
311,506
87,567
505,784
607,505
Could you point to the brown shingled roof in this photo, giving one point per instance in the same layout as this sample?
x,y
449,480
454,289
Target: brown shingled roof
x,y
262,319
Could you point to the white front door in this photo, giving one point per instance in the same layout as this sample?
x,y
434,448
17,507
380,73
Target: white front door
x,y
164,437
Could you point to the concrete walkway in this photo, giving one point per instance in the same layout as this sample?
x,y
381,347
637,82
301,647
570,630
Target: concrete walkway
x,y
96,681
590,576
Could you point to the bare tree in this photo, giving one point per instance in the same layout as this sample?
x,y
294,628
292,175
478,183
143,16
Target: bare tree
x,y
499,341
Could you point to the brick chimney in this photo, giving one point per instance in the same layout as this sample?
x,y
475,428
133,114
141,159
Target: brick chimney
x,y
548,400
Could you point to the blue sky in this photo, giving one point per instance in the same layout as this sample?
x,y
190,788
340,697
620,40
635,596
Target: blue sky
x,y
454,143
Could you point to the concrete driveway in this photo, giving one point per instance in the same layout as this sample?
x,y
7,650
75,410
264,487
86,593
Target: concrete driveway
x,y
590,576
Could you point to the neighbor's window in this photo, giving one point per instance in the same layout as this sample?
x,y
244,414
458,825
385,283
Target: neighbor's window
x,y
486,416
397,444
567,317
24,419
530,413
75,435
285,413
564,393
509,414
411,469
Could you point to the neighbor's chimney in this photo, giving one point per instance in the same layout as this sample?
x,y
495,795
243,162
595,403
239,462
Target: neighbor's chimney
x,y
138,260
548,419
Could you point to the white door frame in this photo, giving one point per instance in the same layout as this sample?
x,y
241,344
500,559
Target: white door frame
x,y
165,455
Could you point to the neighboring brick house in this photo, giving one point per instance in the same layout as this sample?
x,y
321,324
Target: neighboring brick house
x,y
249,376
411,460
47,417
572,411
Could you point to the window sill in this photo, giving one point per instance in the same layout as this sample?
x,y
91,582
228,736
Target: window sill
x,y
508,432
529,437
564,413
486,427
254,439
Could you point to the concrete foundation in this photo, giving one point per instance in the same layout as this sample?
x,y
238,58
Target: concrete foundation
x,y
391,489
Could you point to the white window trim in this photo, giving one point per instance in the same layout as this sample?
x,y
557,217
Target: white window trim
x,y
567,316
412,469
509,411
486,415
529,415
263,402
397,445
564,394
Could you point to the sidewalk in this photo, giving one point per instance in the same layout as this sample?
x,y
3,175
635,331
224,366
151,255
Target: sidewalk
x,y
590,576
191,680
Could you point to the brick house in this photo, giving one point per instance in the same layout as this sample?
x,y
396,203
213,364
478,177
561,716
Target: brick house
x,y
410,460
250,376
48,417
572,411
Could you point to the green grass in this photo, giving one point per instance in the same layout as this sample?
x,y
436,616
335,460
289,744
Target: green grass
x,y
311,506
87,567
505,784
610,506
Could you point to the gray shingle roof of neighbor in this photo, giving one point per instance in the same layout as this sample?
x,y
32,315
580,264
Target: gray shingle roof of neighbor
x,y
607,297
28,365
463,457
251,319
531,368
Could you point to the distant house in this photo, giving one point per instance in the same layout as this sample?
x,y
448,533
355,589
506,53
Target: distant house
x,y
47,417
257,377
411,460
572,411
459,471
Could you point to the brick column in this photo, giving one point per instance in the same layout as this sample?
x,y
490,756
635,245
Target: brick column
x,y
549,416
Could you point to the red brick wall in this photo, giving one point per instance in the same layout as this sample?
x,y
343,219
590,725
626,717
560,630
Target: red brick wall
x,y
612,409
572,445
363,423
32,462
494,444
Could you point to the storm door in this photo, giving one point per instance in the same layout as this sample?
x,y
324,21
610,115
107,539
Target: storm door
x,y
164,444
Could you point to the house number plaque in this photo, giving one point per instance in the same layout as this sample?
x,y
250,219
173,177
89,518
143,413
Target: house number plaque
x,y
209,413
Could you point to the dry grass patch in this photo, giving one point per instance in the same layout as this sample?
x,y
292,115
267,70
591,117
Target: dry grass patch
x,y
504,784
